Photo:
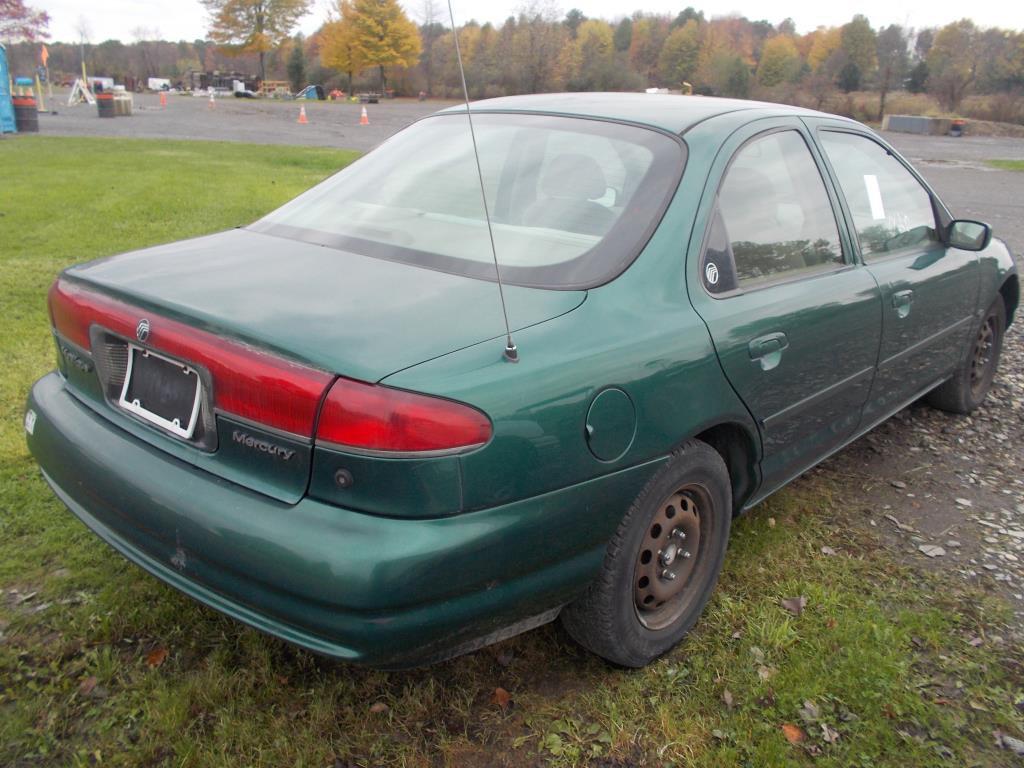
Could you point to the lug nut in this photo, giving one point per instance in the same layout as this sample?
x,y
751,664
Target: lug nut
x,y
679,533
667,575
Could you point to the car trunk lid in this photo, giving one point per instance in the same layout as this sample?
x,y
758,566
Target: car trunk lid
x,y
259,316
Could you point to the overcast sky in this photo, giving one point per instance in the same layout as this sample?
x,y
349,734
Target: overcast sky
x,y
186,19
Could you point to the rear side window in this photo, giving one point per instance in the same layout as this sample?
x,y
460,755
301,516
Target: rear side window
x,y
891,209
775,220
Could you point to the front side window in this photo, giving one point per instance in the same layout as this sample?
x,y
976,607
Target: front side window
x,y
891,209
571,200
774,219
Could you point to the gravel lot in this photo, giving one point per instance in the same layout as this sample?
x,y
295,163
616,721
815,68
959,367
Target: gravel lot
x,y
947,491
944,491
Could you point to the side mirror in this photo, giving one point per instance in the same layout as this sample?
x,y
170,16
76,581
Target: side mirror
x,y
969,235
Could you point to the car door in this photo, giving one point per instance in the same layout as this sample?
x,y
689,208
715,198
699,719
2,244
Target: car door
x,y
929,291
794,320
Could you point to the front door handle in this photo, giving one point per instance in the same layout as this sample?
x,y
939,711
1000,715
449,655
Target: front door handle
x,y
767,350
901,302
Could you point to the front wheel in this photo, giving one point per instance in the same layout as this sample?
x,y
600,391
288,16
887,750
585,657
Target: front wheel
x,y
662,564
967,389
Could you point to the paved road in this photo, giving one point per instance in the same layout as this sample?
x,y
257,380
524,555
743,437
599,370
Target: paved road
x,y
330,124
957,170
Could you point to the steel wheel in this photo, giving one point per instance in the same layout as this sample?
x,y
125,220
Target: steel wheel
x,y
982,355
669,555
661,565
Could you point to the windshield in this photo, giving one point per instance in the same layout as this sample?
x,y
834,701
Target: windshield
x,y
572,201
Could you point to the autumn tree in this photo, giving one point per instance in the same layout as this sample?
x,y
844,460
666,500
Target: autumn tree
x,y
573,19
338,47
680,55
296,66
893,58
649,34
21,22
859,45
953,63
384,36
825,42
780,61
253,26
624,34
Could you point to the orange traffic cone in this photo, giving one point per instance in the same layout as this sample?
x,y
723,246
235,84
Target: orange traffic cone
x,y
211,104
364,119
163,100
302,115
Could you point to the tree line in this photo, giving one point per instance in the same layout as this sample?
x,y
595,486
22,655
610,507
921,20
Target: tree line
x,y
371,44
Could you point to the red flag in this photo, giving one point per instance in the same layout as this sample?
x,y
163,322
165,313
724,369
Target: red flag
x,y
44,55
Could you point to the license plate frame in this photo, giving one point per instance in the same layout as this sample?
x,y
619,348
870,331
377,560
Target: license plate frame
x,y
175,426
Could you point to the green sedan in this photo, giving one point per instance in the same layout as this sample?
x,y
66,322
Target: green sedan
x,y
321,425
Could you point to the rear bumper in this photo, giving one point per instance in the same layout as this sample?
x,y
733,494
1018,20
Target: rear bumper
x,y
378,591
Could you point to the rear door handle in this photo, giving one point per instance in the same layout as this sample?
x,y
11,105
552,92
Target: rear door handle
x,y
901,302
767,350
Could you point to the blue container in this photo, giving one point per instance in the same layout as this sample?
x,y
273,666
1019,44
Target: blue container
x,y
7,124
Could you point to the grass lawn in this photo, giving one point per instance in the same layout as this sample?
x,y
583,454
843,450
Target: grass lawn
x,y
1008,165
100,664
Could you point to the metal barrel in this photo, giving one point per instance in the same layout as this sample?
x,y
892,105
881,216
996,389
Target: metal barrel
x,y
26,114
105,104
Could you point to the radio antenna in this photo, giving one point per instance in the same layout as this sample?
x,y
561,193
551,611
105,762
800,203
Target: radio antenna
x,y
511,351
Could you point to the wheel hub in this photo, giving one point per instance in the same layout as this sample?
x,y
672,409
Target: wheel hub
x,y
982,353
667,558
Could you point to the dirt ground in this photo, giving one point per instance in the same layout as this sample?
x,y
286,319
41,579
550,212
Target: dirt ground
x,y
945,492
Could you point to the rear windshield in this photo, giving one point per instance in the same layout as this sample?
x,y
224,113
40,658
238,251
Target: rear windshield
x,y
572,201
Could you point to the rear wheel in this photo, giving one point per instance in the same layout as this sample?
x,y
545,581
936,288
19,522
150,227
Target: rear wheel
x,y
662,564
967,389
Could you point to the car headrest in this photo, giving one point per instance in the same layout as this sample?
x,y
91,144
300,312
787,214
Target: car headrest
x,y
575,176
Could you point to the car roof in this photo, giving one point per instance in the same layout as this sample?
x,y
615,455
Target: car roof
x,y
673,113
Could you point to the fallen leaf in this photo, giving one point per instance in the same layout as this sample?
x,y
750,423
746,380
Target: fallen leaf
x,y
502,697
379,707
898,484
830,623
965,502
932,550
830,735
156,657
737,635
771,522
727,698
757,653
794,605
85,687
766,673
794,733
809,711
828,551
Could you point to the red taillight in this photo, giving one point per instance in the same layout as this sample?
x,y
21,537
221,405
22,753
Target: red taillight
x,y
376,418
247,382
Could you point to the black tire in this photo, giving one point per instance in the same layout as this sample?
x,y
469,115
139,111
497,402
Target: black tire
x,y
967,389
616,618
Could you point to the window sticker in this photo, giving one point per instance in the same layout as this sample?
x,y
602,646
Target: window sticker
x,y
874,197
